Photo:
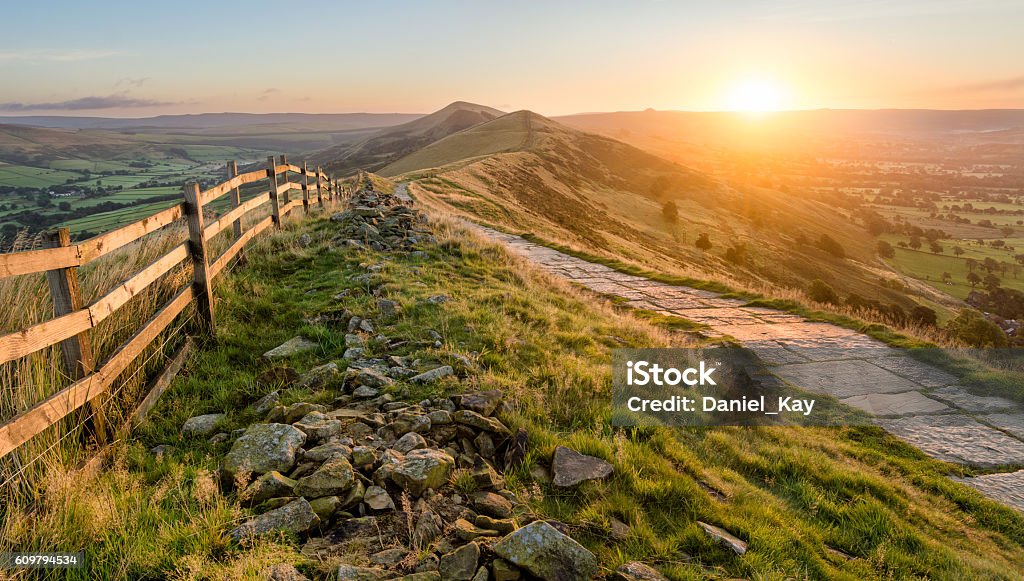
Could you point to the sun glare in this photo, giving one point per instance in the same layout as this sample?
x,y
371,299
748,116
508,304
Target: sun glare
x,y
755,96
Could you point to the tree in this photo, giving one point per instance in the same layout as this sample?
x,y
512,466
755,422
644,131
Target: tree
x,y
670,212
958,251
703,242
820,291
991,282
935,247
885,250
829,244
946,277
975,330
973,279
915,242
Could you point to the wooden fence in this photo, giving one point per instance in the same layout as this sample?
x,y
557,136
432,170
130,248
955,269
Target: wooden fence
x,y
72,320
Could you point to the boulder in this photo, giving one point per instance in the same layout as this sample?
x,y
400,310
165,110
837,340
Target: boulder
x,y
318,427
724,537
570,468
433,375
460,564
333,478
271,485
292,346
297,411
421,470
409,442
264,447
428,528
319,376
369,377
283,572
475,420
481,402
325,452
636,571
410,422
440,417
546,553
296,517
353,573
325,507
204,425
378,499
365,392
505,571
388,308
492,504
266,403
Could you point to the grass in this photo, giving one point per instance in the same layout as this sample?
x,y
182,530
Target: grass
x,y
796,495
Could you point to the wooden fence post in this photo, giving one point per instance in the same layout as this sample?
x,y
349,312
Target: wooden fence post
x,y
236,197
305,188
200,261
76,351
275,202
319,187
288,192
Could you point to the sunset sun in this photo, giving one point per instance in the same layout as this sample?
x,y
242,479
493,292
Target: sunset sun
x,y
755,95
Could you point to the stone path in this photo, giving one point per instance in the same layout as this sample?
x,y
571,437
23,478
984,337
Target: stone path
x,y
912,400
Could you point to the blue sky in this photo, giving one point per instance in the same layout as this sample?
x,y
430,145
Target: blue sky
x,y
141,58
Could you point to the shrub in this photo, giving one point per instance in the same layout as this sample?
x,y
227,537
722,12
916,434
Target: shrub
x,y
924,316
829,244
975,330
820,291
703,242
885,250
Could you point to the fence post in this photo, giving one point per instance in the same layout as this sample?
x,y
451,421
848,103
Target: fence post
x,y
200,261
236,197
275,202
76,351
288,192
305,188
319,187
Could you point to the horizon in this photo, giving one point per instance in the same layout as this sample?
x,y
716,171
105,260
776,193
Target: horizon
x,y
908,54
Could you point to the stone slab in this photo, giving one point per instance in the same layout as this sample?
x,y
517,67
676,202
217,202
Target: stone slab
x,y
896,404
957,438
843,379
1007,487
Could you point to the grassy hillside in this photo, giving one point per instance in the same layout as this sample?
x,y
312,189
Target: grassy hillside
x,y
389,144
529,174
812,503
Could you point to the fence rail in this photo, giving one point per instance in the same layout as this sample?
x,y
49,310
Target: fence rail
x,y
72,320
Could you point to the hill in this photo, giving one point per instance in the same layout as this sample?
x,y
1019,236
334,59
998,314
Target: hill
x,y
387,145
529,174
223,122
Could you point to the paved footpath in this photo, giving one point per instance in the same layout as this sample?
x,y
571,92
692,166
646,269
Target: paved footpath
x,y
912,400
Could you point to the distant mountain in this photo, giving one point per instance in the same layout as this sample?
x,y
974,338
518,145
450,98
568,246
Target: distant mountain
x,y
387,145
205,121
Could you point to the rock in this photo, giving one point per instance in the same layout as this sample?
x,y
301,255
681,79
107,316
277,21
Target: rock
x,y
365,392
325,452
283,572
492,504
292,346
546,553
515,454
353,573
505,571
325,507
475,420
296,517
484,475
318,427
161,451
305,240
423,576
724,537
540,474
460,564
433,375
201,425
353,353
409,442
388,557
503,526
278,377
468,531
410,422
440,417
363,456
378,499
481,402
355,495
570,468
636,571
264,447
334,478
421,470
271,485
319,376
266,403
482,574
620,530
428,528
297,411
369,377
219,438
438,299
388,308
484,444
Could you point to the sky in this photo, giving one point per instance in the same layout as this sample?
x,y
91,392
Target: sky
x,y
134,59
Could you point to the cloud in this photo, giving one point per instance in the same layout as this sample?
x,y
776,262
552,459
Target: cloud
x,y
49,55
1007,84
131,82
267,93
115,101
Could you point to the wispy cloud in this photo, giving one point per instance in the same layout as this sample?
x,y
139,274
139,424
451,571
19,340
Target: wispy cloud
x,y
131,82
115,101
268,93
49,55
1007,84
